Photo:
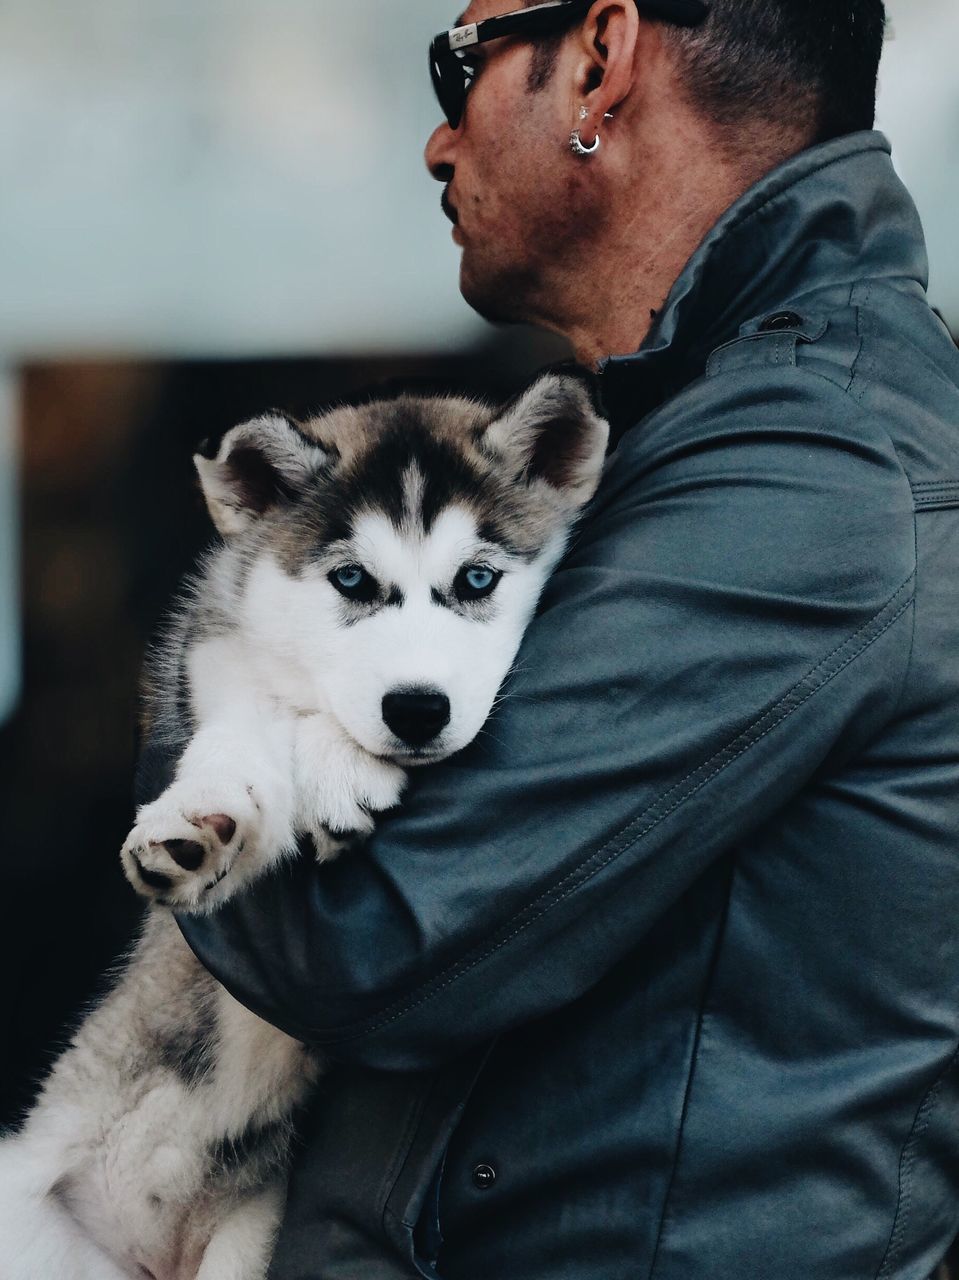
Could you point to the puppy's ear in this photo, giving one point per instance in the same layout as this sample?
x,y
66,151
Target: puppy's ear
x,y
552,435
260,465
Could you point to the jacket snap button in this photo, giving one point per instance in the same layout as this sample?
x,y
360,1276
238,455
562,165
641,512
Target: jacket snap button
x,y
484,1175
781,320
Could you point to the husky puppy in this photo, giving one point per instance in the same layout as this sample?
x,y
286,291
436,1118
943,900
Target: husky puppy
x,y
377,568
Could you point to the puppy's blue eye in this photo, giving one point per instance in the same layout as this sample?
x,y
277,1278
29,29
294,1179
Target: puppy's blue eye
x,y
352,581
476,582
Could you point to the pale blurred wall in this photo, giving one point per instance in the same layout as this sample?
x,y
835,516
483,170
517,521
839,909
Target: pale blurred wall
x,y
220,177
245,176
919,109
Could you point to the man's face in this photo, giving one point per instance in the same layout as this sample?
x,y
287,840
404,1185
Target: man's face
x,y
509,185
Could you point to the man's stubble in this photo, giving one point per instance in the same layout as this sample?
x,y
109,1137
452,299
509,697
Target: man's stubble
x,y
534,279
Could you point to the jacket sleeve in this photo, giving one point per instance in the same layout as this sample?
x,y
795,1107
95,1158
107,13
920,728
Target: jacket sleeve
x,y
734,613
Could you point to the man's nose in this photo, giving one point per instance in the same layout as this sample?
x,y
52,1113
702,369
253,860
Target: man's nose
x,y
439,152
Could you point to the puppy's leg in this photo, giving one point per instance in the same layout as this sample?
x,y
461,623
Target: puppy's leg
x,y
39,1240
243,1242
228,814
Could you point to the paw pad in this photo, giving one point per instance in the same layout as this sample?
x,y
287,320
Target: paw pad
x,y
187,854
223,826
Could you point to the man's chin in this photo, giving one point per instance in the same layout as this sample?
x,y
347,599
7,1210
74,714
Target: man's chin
x,y
498,298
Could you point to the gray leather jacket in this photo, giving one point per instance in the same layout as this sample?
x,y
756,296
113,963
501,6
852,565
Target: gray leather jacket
x,y
662,977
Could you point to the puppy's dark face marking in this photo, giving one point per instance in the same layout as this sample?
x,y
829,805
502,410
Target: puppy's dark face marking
x,y
410,460
410,475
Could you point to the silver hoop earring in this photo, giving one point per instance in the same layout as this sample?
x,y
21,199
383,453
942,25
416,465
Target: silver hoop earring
x,y
578,148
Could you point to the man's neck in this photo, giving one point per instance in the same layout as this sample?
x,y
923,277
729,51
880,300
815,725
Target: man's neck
x,y
612,312
647,228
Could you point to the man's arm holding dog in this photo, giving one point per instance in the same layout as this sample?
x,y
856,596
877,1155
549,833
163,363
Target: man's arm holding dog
x,y
738,605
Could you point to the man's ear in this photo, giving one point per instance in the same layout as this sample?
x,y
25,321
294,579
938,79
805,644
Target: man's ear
x,y
259,466
552,435
606,68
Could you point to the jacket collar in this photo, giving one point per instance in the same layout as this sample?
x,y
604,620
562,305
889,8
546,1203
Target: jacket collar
x,y
833,215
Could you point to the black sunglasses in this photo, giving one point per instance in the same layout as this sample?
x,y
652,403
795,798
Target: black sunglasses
x,y
452,71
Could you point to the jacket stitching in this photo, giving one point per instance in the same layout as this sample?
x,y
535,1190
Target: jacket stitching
x,y
944,502
694,1058
864,296
414,1115
907,1160
634,831
927,496
907,669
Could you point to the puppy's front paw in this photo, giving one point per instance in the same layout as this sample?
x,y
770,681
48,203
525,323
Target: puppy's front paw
x,y
376,784
186,843
339,786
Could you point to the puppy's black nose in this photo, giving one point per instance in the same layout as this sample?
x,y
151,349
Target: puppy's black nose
x,y
416,716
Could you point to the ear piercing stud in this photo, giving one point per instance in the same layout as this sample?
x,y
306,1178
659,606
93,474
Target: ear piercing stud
x,y
576,144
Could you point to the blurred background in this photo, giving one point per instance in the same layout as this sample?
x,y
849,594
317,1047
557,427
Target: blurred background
x,y
208,207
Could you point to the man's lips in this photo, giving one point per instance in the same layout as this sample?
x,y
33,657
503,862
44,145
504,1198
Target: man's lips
x,y
448,207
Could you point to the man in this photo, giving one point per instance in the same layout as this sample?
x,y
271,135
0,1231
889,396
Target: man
x,y
662,978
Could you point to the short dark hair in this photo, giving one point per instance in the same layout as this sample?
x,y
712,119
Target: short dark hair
x,y
807,66
545,54
787,62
